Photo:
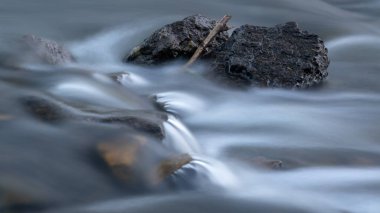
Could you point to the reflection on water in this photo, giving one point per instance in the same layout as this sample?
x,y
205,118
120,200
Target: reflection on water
x,y
327,138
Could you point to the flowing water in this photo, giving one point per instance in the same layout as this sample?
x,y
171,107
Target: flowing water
x,y
326,138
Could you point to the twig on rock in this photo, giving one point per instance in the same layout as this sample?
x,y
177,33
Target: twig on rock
x,y
219,27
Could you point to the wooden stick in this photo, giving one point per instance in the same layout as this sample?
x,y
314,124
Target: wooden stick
x,y
219,27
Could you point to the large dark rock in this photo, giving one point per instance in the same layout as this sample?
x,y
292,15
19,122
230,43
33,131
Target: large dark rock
x,y
177,40
46,51
281,56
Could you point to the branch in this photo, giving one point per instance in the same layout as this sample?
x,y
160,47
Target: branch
x,y
219,27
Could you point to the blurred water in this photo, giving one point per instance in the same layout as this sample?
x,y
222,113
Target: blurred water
x,y
327,138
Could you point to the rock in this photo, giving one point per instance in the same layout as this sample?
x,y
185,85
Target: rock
x,y
121,156
47,51
133,161
53,112
281,56
120,77
127,79
178,40
264,162
43,109
169,166
151,126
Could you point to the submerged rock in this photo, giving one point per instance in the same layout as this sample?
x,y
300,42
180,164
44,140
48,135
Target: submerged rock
x,y
133,162
12,201
54,112
47,51
281,56
177,40
43,109
152,125
120,77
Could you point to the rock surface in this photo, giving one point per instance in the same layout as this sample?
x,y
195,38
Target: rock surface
x,y
47,110
47,51
151,125
281,56
43,109
177,40
133,161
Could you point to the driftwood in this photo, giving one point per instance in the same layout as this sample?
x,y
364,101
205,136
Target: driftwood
x,y
219,27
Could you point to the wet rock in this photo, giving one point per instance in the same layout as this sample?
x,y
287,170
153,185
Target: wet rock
x,y
263,162
134,163
52,112
153,127
121,156
169,166
43,109
295,158
120,77
177,40
46,51
281,56
127,79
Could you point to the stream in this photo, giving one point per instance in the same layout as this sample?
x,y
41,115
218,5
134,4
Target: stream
x,y
261,150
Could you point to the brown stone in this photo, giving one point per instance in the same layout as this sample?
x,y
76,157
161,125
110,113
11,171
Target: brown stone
x,y
133,161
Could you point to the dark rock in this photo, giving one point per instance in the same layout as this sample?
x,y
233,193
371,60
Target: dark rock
x,y
52,112
177,40
281,56
43,109
151,126
47,51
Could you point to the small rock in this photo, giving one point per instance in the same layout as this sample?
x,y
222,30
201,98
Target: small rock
x,y
133,161
121,156
153,127
281,56
267,163
120,77
169,166
47,51
178,40
43,109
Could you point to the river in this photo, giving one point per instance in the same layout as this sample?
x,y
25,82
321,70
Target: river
x,y
326,138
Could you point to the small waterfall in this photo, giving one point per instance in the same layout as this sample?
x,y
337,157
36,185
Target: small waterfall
x,y
179,137
202,171
218,173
